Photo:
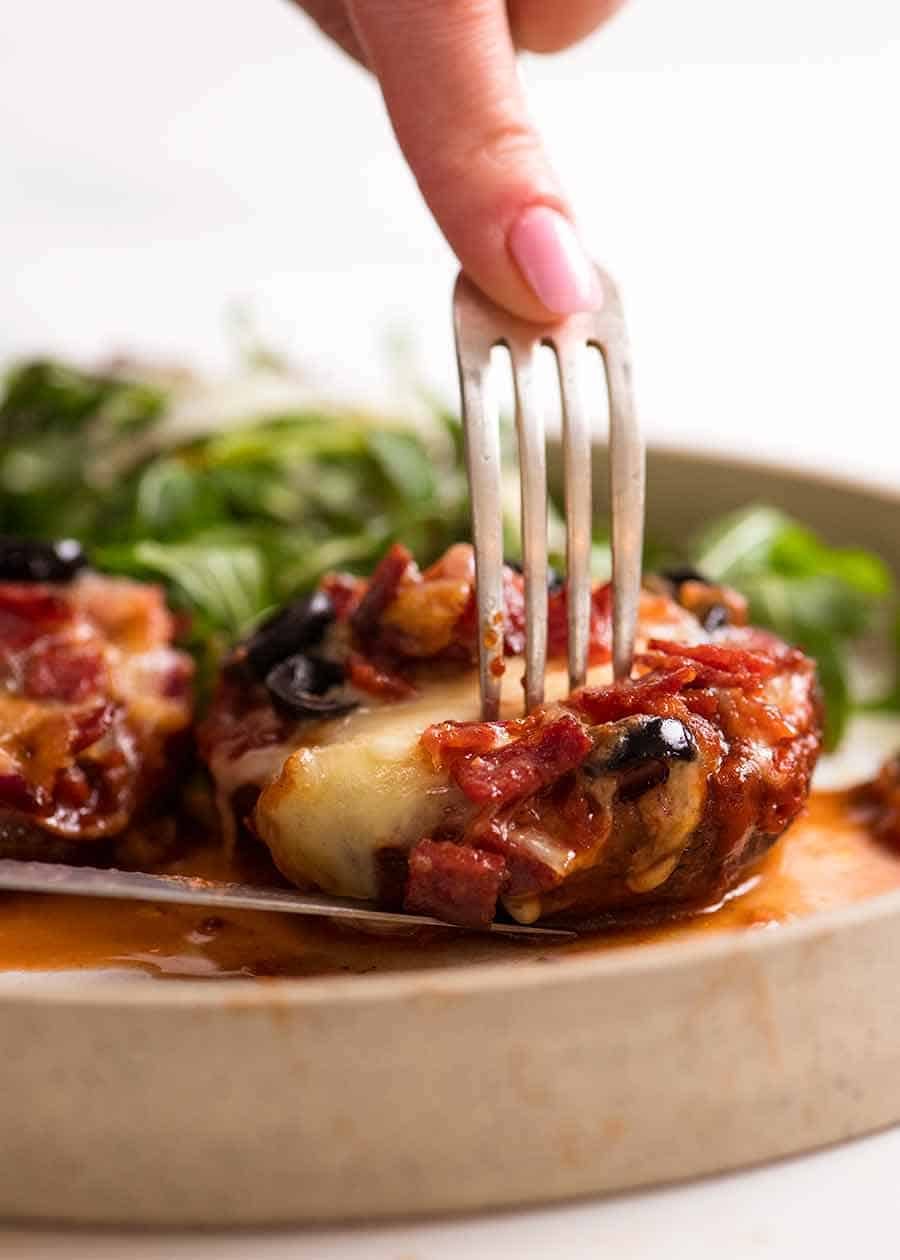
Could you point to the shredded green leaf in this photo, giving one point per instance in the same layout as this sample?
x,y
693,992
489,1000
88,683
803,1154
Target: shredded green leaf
x,y
236,522
823,599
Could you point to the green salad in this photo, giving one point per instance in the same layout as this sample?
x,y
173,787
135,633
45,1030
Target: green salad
x,y
236,519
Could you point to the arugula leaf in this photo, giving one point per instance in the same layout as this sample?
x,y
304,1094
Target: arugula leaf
x,y
232,522
238,521
221,579
761,539
59,427
822,598
45,396
404,462
221,574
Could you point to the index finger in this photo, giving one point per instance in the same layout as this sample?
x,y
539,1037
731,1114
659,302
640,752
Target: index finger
x,y
448,73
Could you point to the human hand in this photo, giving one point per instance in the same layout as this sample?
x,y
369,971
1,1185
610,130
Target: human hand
x,y
447,70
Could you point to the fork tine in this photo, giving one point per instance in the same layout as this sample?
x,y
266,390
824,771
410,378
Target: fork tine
x,y
626,480
577,471
533,486
481,431
479,326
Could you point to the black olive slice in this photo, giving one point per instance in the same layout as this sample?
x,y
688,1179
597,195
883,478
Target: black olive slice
x,y
299,686
295,628
683,573
716,618
642,739
655,739
29,560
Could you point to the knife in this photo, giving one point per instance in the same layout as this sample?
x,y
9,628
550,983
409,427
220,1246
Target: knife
x,y
90,881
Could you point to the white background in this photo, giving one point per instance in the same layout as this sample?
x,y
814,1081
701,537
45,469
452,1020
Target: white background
x,y
734,164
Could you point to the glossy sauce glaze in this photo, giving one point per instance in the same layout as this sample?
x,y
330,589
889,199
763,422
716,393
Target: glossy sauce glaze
x,y
827,859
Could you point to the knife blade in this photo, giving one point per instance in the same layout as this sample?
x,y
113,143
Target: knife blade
x,y
90,881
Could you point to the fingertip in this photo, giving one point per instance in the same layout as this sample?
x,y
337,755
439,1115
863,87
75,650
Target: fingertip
x,y
540,27
545,247
448,73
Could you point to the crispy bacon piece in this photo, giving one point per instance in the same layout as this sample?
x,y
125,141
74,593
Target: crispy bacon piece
x,y
367,676
453,882
675,668
735,661
382,590
630,695
345,592
717,664
401,615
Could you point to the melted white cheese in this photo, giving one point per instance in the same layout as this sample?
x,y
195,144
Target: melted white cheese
x,y
352,786
366,784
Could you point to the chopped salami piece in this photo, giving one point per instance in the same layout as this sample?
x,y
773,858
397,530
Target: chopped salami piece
x,y
445,739
455,883
544,751
600,639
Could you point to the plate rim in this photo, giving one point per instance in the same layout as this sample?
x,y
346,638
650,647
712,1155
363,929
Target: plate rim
x,y
243,992
865,483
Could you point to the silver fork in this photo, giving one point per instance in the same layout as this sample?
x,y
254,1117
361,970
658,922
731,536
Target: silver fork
x,y
480,326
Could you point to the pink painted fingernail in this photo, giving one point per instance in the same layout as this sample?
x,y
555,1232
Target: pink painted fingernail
x,y
552,260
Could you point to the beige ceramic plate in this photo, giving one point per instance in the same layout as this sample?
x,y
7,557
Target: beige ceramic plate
x,y
250,1102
